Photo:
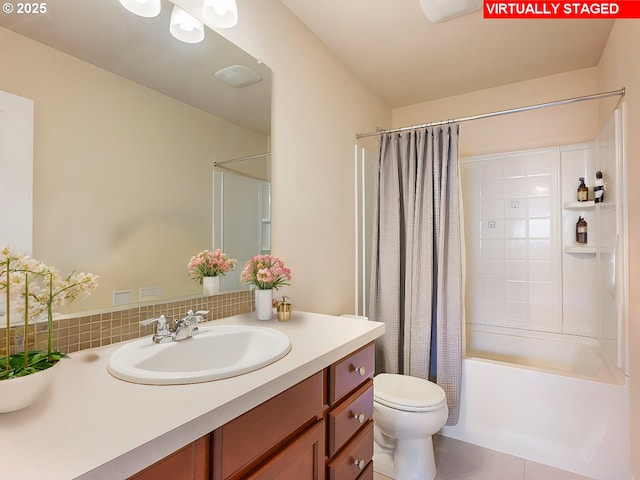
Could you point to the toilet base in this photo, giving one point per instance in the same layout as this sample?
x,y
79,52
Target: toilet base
x,y
383,464
411,460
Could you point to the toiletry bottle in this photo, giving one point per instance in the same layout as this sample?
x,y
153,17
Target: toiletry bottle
x,y
583,191
598,188
581,231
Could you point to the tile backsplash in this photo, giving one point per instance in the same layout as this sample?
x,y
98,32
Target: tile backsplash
x,y
72,334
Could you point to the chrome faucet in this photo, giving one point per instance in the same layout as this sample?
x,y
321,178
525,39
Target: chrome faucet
x,y
184,328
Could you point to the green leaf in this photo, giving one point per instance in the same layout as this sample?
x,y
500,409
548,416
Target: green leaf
x,y
37,360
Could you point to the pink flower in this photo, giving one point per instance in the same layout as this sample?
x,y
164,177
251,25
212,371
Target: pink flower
x,y
210,264
266,272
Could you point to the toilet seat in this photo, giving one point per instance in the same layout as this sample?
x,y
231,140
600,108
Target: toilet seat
x,y
408,394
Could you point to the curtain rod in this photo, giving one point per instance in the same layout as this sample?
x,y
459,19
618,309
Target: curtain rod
x,y
595,96
241,159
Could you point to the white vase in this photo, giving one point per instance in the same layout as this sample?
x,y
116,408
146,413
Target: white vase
x,y
263,300
21,392
210,285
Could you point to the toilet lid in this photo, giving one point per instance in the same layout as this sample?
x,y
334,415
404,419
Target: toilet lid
x,y
410,394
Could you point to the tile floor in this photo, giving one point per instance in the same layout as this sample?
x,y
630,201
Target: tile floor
x,y
458,460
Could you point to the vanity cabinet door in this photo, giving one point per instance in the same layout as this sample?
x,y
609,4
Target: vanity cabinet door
x,y
253,438
192,462
303,459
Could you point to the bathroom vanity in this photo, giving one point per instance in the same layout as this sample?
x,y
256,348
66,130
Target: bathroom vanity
x,y
308,415
327,419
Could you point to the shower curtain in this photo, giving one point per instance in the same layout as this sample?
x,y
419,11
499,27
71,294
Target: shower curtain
x,y
417,263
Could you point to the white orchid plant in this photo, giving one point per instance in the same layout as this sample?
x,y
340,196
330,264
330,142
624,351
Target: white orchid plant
x,y
32,289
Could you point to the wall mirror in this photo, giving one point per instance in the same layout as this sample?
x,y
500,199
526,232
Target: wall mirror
x,y
128,124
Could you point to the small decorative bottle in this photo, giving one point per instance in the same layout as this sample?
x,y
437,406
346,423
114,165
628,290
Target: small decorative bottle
x,y
598,188
581,231
583,191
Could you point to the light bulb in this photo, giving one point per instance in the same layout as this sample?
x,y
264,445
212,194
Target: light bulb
x,y
220,8
186,27
144,8
220,13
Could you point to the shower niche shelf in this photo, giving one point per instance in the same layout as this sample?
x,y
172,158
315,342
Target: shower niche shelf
x,y
579,205
580,249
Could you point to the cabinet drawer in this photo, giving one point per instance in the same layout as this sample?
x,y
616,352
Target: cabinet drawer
x,y
239,444
367,473
351,371
358,452
349,416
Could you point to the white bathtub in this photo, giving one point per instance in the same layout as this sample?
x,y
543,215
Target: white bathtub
x,y
551,402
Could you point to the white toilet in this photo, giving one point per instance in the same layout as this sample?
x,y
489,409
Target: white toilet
x,y
407,411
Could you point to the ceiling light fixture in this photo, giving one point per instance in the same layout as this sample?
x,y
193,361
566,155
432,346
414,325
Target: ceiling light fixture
x,y
442,10
220,13
185,27
238,76
144,8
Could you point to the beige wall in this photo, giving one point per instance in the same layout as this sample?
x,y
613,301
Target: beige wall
x,y
122,174
318,107
620,66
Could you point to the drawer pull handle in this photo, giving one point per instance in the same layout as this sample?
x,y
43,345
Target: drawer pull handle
x,y
360,370
359,464
359,417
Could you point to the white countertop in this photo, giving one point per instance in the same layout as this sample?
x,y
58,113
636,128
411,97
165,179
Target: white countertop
x,y
94,426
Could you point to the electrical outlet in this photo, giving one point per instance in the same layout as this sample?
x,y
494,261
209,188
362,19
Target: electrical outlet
x,y
122,297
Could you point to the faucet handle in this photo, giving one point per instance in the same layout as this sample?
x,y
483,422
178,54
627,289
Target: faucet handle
x,y
161,320
163,326
201,315
163,332
147,322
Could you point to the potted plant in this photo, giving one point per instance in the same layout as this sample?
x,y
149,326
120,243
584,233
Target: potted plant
x,y
207,267
32,289
266,273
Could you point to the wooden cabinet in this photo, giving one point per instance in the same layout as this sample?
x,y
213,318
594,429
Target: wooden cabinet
x,y
321,428
192,462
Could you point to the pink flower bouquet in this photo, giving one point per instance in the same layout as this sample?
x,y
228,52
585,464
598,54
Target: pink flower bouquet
x,y
266,272
210,264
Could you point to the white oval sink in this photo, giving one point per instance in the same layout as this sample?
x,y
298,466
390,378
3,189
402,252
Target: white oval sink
x,y
217,352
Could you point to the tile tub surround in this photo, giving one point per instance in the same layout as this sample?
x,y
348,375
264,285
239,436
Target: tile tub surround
x,y
109,429
73,334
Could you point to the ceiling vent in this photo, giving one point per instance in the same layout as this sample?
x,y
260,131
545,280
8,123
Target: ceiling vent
x,y
238,76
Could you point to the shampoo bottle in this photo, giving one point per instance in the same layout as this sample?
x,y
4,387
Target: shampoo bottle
x,y
598,188
583,191
581,231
